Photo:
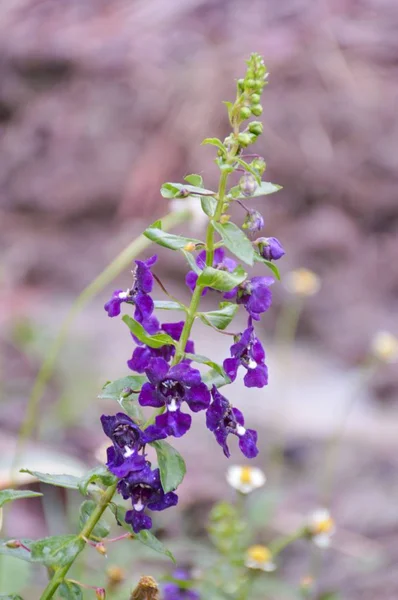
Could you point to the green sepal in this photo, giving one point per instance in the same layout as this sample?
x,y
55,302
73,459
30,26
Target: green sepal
x,y
153,341
98,474
268,263
171,465
70,590
156,234
11,495
264,189
224,281
236,241
222,317
101,528
56,551
65,481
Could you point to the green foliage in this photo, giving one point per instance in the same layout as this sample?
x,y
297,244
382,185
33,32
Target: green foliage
x,y
195,180
70,591
264,188
101,528
221,280
65,481
171,465
125,392
209,205
168,240
236,241
268,263
168,305
222,317
20,553
203,360
11,495
180,190
227,531
154,341
98,474
215,142
56,551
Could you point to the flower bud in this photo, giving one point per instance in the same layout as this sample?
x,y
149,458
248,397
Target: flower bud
x,y
245,113
255,98
183,193
100,593
224,219
190,247
256,127
147,589
254,221
245,139
270,248
115,575
126,392
257,110
13,544
250,84
241,84
247,184
259,165
100,547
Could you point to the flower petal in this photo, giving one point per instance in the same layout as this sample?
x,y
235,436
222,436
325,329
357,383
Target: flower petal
x,y
148,396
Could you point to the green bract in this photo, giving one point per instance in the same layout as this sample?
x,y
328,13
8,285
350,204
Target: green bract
x,y
236,241
220,318
224,281
153,341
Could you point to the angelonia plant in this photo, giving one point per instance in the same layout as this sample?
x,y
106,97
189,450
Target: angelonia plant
x,y
164,375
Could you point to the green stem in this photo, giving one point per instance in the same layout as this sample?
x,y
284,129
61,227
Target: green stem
x,y
210,230
103,279
95,516
280,544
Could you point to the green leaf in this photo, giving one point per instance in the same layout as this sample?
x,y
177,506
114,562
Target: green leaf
x,y
222,317
171,465
10,597
236,241
101,528
11,495
149,539
209,205
221,280
56,551
168,240
65,481
180,190
70,591
98,474
169,305
214,378
264,189
145,537
117,390
249,168
154,341
269,264
215,142
20,553
195,180
203,360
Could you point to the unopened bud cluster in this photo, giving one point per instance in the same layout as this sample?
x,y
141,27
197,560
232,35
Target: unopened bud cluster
x,y
251,87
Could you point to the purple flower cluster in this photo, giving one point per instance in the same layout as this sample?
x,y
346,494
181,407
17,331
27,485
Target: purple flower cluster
x,y
176,389
174,591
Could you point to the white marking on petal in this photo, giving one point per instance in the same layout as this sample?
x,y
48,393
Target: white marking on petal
x,y
123,295
172,407
138,506
252,363
240,430
128,452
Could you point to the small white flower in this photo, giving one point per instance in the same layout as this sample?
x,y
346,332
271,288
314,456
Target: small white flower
x,y
245,479
385,347
302,282
260,557
321,527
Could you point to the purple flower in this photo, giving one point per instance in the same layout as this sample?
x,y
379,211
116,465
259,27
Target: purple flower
x,y
170,387
128,441
255,295
222,419
254,221
270,248
172,591
137,295
145,490
143,354
220,261
248,352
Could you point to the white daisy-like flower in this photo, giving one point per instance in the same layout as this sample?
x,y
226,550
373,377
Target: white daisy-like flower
x,y
302,282
385,347
245,479
321,527
260,557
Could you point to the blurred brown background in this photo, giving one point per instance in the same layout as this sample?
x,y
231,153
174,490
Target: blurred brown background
x,y
101,102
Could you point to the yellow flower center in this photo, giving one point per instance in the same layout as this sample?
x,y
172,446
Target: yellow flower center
x,y
324,526
246,475
259,554
385,346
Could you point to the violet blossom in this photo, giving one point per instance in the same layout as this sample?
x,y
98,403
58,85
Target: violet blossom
x,y
248,352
